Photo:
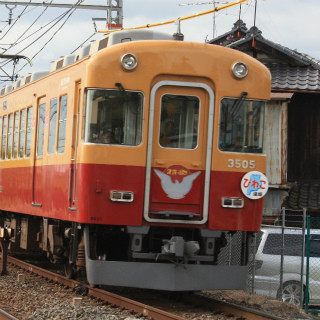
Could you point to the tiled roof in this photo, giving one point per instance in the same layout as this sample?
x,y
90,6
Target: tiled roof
x,y
293,55
294,78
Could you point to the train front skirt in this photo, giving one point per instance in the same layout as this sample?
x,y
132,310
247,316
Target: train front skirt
x,y
163,276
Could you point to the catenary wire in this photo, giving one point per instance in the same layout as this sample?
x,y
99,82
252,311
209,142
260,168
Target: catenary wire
x,y
16,20
44,33
83,43
17,40
70,11
42,27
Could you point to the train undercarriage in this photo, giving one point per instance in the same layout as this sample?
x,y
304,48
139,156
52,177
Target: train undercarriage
x,y
164,258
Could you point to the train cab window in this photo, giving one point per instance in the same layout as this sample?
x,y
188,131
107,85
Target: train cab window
x,y
22,132
29,131
62,123
241,125
114,117
10,134
15,135
52,125
4,137
41,122
179,121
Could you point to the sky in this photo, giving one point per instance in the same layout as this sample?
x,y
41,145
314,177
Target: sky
x,y
291,23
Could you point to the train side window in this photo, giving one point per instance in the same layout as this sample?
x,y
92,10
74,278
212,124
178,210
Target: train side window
x,y
4,137
114,117
52,126
0,133
10,134
179,121
62,123
15,135
41,122
29,131
22,132
241,125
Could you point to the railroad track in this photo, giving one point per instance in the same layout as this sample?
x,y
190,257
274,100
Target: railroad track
x,y
6,316
142,308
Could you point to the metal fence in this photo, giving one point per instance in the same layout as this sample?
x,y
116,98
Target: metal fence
x,y
312,287
283,259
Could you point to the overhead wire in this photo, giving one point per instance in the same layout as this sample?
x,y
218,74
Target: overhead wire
x,y
42,27
17,40
58,18
83,43
179,19
16,20
70,11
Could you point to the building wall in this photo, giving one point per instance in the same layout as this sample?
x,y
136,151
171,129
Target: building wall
x,y
304,137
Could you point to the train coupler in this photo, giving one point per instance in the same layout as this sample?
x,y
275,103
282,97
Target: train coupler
x,y
5,235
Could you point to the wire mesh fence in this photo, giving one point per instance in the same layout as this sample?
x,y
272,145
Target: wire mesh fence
x,y
284,260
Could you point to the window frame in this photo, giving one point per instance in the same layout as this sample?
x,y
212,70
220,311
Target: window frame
x,y
52,139
22,137
164,122
4,137
242,149
10,136
29,126
86,123
41,128
16,135
61,148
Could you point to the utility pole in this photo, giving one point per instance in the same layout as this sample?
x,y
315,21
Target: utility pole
x,y
114,14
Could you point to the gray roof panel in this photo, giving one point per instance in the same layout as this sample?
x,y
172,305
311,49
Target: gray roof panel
x,y
294,78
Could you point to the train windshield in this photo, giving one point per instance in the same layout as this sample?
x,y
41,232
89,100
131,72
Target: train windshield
x,y
241,125
114,117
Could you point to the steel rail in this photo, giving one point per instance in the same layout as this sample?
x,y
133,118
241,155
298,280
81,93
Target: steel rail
x,y
227,307
6,316
106,296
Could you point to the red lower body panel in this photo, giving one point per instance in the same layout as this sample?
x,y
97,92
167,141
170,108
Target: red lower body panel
x,y
46,193
49,188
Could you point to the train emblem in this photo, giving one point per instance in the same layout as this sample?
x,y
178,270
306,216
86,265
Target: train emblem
x,y
176,181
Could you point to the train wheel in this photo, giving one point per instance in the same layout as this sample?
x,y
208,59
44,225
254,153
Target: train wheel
x,y
70,270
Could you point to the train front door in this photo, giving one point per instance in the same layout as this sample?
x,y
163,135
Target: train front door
x,y
179,153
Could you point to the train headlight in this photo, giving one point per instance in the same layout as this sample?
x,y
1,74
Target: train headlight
x,y
240,70
129,61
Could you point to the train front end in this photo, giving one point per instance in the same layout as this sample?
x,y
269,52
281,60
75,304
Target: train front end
x,y
171,165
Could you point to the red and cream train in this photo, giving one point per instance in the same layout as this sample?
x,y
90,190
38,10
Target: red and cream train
x,y
134,158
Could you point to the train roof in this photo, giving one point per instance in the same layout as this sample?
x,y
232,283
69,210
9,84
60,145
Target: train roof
x,y
106,41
